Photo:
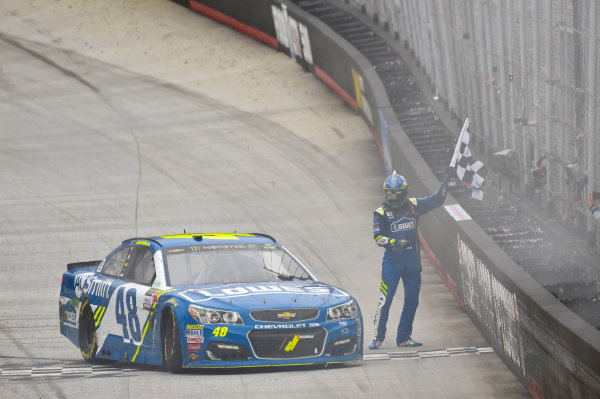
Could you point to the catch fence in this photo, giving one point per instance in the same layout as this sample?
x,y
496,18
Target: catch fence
x,y
526,74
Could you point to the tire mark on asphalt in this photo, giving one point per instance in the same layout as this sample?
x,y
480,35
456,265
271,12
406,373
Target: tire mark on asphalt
x,y
70,74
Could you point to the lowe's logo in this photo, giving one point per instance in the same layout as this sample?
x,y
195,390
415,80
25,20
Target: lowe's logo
x,y
403,225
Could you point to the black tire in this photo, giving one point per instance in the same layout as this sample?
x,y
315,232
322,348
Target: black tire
x,y
88,341
170,343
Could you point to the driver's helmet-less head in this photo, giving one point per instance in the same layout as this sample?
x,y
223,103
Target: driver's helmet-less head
x,y
395,190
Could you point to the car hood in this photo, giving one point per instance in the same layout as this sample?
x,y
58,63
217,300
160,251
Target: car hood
x,y
268,295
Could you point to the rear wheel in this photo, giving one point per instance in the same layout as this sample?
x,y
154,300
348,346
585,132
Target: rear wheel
x,y
171,346
88,342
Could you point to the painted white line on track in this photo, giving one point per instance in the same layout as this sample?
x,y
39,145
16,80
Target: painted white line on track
x,y
36,372
429,353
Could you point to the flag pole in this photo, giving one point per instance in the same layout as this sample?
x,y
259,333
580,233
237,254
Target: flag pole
x,y
457,148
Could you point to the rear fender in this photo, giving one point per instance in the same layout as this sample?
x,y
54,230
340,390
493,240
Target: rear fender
x,y
69,305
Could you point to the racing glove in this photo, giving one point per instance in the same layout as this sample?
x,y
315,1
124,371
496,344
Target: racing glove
x,y
449,173
392,243
397,245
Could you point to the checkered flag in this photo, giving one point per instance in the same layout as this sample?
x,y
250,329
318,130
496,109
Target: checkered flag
x,y
468,170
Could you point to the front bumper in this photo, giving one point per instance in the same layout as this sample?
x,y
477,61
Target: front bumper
x,y
274,344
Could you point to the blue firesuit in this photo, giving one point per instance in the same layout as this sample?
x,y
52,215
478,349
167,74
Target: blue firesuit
x,y
401,261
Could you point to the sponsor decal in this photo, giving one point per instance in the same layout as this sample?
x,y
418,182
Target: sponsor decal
x,y
343,323
194,333
151,297
89,284
292,34
172,301
361,98
286,315
492,304
193,356
175,250
70,317
403,224
191,340
194,327
74,302
292,344
194,346
345,330
147,303
390,214
153,291
248,290
280,326
99,268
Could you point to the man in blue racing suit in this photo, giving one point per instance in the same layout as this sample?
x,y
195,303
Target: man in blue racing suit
x,y
395,228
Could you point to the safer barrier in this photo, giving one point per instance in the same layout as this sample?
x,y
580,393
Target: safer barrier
x,y
550,349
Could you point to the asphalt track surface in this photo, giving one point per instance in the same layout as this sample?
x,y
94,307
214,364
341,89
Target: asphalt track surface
x,y
122,119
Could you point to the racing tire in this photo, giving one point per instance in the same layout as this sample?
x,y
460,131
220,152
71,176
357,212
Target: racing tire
x,y
88,340
170,343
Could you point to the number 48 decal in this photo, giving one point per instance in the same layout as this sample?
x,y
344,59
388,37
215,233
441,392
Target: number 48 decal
x,y
129,321
220,331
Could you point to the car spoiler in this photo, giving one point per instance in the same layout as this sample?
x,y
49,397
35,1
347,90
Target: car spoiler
x,y
77,265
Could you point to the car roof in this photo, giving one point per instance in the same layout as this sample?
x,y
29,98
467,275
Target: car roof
x,y
180,240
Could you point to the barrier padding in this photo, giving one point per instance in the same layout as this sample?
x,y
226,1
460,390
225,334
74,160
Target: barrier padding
x,y
554,352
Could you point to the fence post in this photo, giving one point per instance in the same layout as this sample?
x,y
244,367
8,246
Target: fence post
x,y
490,72
524,90
549,122
591,139
536,79
502,84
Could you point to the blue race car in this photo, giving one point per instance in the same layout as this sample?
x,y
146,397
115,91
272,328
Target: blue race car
x,y
207,300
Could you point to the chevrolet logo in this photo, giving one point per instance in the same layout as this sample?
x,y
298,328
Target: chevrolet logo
x,y
286,315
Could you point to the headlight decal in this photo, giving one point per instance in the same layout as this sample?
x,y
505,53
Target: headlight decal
x,y
348,310
214,316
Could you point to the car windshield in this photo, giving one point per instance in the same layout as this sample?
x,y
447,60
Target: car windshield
x,y
231,263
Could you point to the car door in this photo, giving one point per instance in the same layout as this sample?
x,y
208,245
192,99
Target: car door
x,y
131,271
139,272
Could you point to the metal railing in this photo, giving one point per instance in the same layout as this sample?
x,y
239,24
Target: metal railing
x,y
525,73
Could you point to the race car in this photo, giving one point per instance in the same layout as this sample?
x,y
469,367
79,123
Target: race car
x,y
207,300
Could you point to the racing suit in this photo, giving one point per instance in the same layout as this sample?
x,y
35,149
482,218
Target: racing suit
x,y
401,259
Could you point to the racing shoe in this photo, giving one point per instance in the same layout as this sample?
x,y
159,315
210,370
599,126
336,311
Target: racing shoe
x,y
409,342
376,344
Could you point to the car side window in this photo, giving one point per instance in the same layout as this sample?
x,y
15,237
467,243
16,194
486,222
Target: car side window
x,y
113,265
140,268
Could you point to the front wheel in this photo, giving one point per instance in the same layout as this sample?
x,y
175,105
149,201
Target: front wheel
x,y
88,342
171,346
